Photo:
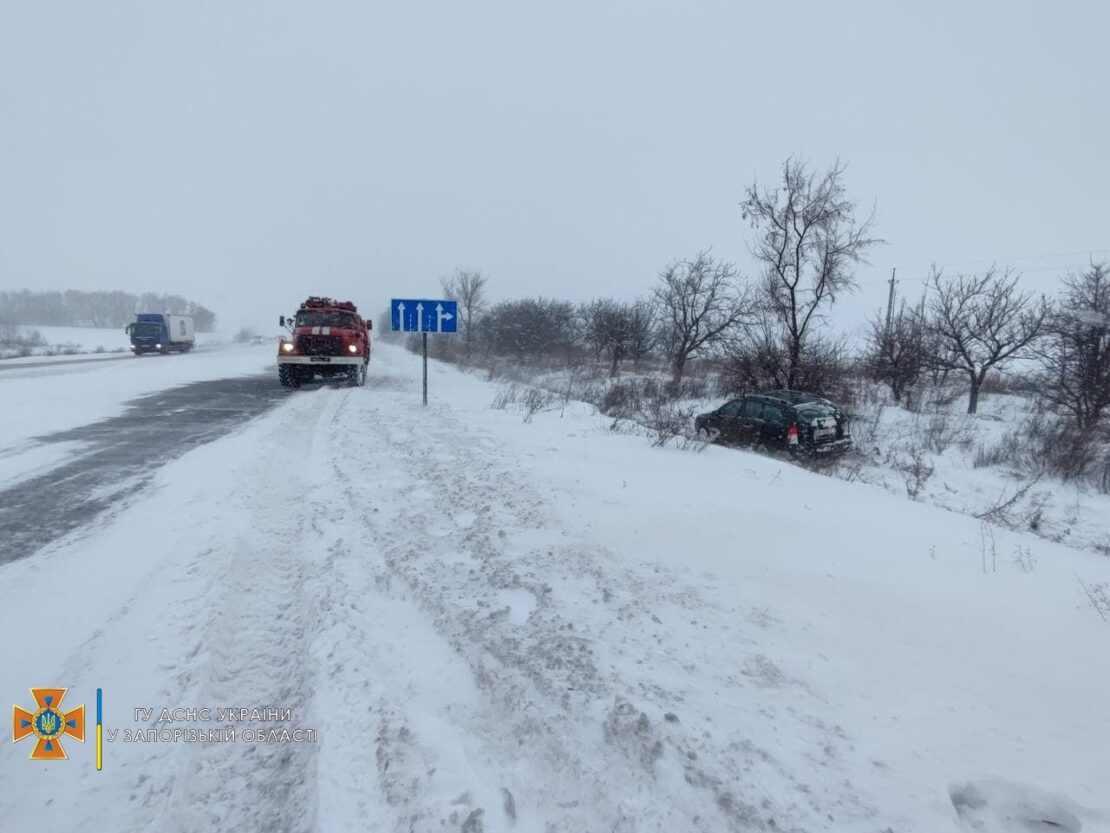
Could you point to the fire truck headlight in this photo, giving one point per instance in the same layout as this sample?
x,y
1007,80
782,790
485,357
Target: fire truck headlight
x,y
353,348
287,346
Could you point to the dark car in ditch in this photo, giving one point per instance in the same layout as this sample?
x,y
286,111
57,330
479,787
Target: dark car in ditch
x,y
797,422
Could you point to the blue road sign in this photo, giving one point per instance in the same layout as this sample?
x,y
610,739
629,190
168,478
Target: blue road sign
x,y
416,315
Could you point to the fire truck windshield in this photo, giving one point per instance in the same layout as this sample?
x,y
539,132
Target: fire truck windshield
x,y
325,319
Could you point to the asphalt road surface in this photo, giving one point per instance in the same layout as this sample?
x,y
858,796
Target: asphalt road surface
x,y
119,457
21,365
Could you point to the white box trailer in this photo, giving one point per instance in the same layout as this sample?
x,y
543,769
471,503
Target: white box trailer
x,y
180,330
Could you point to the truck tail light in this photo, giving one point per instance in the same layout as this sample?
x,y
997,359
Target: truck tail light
x,y
792,435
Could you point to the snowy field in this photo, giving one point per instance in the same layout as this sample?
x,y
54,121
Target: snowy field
x,y
499,625
981,465
62,341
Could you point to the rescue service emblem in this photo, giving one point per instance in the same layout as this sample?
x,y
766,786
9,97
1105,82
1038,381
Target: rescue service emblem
x,y
48,723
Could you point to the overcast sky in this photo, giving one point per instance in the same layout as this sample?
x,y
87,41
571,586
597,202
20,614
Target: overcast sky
x,y
246,154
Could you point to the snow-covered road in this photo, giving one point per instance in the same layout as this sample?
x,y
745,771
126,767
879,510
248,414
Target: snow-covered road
x,y
70,480
493,625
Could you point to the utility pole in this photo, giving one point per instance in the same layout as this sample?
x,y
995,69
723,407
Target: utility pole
x,y
425,335
890,302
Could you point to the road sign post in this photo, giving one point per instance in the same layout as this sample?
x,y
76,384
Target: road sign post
x,y
419,315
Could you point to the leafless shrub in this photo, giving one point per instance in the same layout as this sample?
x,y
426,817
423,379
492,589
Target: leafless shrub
x,y
940,396
1024,558
580,390
695,444
915,469
534,400
869,405
760,359
988,547
1000,512
529,329
691,387
648,403
1034,513
1046,445
621,425
942,431
1098,598
67,349
996,454
621,400
19,340
1058,448
665,420
505,397
1101,473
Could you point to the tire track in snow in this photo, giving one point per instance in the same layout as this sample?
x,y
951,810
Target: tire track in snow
x,y
474,547
248,634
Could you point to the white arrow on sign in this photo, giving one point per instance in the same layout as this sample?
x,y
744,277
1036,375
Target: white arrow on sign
x,y
401,314
441,316
420,318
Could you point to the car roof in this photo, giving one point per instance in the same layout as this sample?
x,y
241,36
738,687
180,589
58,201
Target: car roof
x,y
794,397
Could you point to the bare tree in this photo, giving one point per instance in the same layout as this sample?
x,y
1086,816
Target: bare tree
x,y
898,350
978,323
529,329
642,329
620,330
75,308
1075,354
700,304
598,325
468,287
808,245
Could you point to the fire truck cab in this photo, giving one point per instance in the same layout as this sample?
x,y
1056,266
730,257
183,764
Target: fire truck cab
x,y
327,338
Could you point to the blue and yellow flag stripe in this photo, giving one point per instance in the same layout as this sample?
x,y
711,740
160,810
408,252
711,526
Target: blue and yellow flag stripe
x,y
99,730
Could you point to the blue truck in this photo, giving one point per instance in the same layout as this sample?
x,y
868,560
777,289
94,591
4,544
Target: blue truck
x,y
156,332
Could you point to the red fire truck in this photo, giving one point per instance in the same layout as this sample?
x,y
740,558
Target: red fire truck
x,y
327,338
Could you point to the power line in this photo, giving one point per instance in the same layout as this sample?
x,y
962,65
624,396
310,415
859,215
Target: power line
x,y
1054,269
993,260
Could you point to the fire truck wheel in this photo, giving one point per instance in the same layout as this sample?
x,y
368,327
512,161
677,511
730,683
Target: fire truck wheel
x,y
288,376
356,375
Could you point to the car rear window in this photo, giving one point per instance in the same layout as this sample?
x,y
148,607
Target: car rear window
x,y
812,410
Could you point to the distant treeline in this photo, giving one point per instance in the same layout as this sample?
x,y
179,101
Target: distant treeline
x,y
73,308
